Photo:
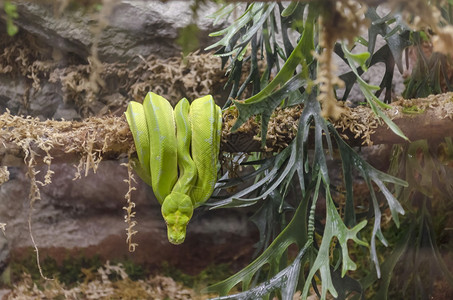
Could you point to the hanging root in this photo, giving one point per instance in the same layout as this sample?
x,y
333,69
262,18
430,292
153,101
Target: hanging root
x,y
30,229
90,159
342,22
130,205
327,80
34,195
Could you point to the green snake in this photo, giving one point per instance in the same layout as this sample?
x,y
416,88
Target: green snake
x,y
177,152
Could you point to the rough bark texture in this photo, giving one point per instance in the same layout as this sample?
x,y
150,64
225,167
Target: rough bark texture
x,y
110,137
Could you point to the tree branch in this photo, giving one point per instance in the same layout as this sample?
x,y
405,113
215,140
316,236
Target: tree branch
x,y
110,137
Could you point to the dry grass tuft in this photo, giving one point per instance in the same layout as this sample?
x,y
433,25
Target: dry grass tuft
x,y
107,282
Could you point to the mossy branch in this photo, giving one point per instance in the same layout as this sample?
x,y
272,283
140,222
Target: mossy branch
x,y
98,138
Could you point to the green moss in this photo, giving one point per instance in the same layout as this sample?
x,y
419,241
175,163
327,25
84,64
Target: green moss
x,y
212,274
25,265
69,272
133,270
414,109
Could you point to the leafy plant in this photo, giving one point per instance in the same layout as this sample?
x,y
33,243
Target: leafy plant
x,y
11,14
301,73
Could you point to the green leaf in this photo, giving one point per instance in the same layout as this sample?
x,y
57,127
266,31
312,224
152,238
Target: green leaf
x,y
290,9
223,13
367,90
388,266
369,173
254,12
11,14
360,58
334,227
188,38
396,42
293,233
301,160
11,28
267,218
267,99
271,101
10,9
372,101
289,161
300,53
273,177
285,281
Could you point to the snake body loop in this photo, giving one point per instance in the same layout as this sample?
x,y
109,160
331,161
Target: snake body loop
x,y
177,154
186,165
135,116
162,137
206,121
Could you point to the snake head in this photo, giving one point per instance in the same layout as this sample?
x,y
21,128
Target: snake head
x,y
177,209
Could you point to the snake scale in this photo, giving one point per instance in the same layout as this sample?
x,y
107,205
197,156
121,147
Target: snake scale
x,y
177,152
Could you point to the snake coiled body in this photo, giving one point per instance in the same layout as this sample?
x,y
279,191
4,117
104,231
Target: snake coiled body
x,y
177,153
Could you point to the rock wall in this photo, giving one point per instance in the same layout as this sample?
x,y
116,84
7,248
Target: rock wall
x,y
84,61
122,30
50,70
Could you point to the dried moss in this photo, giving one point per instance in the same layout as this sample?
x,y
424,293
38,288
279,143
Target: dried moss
x,y
171,78
96,138
282,129
109,281
98,88
4,174
89,139
88,278
362,123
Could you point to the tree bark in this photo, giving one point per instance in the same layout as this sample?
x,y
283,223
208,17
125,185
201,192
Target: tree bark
x,y
110,137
